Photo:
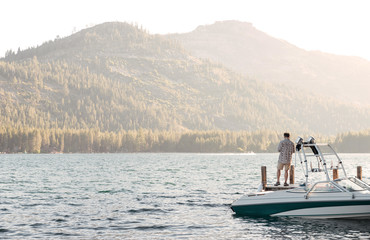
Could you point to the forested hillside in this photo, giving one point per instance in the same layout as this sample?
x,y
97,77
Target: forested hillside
x,y
117,77
245,49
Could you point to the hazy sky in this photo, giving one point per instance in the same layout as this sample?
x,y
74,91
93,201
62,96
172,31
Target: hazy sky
x,y
335,26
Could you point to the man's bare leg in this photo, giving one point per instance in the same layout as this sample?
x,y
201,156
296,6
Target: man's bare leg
x,y
278,176
286,175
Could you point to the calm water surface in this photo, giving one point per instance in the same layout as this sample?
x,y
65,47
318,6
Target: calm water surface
x,y
150,196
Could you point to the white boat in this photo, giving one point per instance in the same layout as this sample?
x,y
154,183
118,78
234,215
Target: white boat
x,y
347,197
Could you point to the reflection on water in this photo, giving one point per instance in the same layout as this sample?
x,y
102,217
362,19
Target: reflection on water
x,y
153,196
292,228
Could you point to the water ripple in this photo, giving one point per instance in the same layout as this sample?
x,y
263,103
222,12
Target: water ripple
x,y
160,196
153,227
146,210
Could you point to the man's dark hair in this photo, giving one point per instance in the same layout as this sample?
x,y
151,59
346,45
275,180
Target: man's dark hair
x,y
286,135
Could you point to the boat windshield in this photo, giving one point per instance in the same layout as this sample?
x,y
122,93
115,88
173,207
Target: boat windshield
x,y
349,185
322,187
298,190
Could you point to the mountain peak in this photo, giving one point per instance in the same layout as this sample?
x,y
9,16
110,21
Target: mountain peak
x,y
245,49
106,39
229,29
114,30
228,26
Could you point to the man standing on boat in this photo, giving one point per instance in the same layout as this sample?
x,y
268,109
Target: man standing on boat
x,y
286,149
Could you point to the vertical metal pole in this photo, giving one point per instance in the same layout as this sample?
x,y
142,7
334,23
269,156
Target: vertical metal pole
x,y
300,159
323,163
339,161
305,161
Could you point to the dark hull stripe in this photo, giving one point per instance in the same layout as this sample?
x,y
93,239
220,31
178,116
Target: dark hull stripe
x,y
274,208
333,215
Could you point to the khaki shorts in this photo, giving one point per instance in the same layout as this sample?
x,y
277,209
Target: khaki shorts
x,y
281,166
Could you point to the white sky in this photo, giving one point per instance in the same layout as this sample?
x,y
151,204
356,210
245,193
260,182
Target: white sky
x,y
335,26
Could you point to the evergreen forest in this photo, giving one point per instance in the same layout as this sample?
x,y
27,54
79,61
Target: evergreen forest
x,y
144,140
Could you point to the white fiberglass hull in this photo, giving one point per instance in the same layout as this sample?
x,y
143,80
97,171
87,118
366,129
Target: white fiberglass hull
x,y
350,212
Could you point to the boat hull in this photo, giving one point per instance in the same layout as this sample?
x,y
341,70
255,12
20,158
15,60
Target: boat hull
x,y
307,208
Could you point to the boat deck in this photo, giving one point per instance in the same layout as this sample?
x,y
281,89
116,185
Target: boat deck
x,y
281,187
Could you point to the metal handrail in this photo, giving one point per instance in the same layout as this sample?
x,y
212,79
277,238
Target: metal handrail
x,y
360,182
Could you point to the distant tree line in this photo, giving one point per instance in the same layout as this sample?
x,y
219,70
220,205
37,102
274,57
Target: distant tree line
x,y
36,140
354,142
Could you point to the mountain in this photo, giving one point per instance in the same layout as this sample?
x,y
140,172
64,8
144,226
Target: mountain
x,y
243,48
116,76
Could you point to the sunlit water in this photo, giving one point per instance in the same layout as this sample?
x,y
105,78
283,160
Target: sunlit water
x,y
150,196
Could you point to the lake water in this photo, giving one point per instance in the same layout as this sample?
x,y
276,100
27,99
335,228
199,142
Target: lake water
x,y
150,196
